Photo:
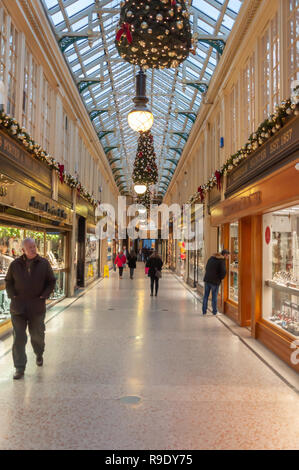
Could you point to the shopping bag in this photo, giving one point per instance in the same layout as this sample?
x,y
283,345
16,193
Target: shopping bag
x,y
146,270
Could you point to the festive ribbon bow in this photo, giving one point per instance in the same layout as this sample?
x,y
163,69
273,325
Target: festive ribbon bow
x,y
61,171
125,29
201,193
218,178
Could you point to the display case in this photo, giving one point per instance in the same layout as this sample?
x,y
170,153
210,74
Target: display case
x,y
91,257
10,248
233,288
55,254
49,245
281,269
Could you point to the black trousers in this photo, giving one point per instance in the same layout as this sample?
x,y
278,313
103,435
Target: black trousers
x,y
154,281
36,326
121,271
132,272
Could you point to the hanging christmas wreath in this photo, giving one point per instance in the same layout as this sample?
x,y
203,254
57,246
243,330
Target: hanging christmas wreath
x,y
154,33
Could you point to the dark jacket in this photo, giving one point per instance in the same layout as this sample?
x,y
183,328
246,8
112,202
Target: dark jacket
x,y
132,261
154,264
215,269
25,287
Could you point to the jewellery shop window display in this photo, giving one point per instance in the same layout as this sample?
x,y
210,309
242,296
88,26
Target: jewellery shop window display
x,y
55,247
281,269
10,249
91,257
234,262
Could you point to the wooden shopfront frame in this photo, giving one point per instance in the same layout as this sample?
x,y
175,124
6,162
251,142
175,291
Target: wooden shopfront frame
x,y
27,199
247,206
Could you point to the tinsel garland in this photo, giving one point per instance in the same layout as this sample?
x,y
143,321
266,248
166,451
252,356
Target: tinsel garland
x,y
267,129
20,134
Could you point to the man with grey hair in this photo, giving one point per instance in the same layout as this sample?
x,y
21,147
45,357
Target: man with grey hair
x,y
29,282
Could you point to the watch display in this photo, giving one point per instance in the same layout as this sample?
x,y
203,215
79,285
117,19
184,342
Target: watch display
x,y
281,269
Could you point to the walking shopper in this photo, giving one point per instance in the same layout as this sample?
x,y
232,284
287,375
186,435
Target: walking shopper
x,y
29,282
215,272
120,261
154,263
132,258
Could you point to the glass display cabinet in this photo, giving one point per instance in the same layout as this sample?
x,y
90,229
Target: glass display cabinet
x,y
49,245
233,292
281,269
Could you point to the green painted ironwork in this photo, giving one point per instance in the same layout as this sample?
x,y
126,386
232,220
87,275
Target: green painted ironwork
x,y
114,160
176,149
83,84
66,41
118,177
184,135
191,116
218,44
171,160
115,170
96,113
103,134
167,177
108,149
202,87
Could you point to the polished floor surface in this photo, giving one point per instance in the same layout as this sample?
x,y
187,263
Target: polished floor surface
x,y
123,370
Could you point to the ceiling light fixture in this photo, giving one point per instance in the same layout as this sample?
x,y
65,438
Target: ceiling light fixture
x,y
140,119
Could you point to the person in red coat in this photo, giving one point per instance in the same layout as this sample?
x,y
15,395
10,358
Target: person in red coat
x,y
120,261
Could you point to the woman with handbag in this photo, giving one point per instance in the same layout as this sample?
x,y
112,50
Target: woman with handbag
x,y
120,261
154,263
132,258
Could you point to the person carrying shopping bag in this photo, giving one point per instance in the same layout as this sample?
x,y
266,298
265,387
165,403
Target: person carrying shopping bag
x,y
154,263
120,261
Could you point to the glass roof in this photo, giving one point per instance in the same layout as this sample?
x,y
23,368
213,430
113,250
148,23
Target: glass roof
x,y
113,86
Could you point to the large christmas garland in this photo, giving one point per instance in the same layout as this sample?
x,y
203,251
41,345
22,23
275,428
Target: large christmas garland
x,y
266,130
154,33
20,134
145,169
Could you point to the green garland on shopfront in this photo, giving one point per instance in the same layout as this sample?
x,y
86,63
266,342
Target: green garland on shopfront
x,y
266,130
11,126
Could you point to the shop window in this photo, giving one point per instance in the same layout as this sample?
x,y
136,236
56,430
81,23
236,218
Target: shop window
x,y
8,59
281,269
91,257
30,94
47,94
248,98
270,79
10,248
293,41
233,293
55,254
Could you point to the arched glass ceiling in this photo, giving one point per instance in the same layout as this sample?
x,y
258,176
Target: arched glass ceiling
x,y
86,32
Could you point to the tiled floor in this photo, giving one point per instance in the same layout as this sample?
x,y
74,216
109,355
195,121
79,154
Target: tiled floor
x,y
197,385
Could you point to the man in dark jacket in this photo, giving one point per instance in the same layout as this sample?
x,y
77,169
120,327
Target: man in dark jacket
x,y
215,272
29,282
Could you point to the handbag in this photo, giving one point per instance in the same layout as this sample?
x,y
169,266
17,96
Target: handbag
x,y
158,274
146,270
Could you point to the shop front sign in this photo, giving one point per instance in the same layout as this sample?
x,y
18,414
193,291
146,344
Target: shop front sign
x,y
279,150
23,198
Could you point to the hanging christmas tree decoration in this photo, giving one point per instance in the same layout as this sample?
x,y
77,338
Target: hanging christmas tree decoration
x,y
145,171
154,33
144,199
